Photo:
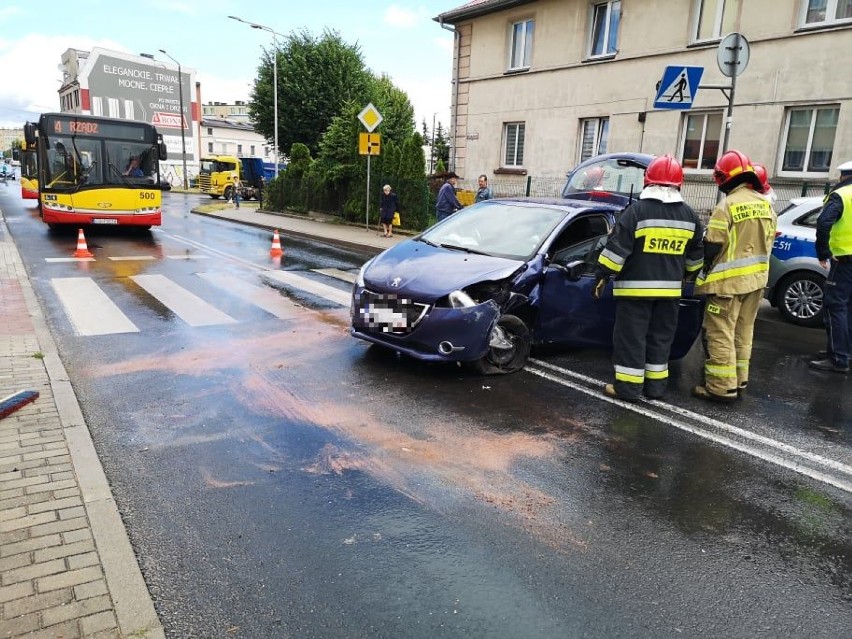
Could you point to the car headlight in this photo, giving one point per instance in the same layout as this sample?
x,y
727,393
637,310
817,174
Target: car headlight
x,y
460,299
359,281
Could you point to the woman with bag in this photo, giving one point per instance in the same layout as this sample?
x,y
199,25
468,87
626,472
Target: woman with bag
x,y
388,207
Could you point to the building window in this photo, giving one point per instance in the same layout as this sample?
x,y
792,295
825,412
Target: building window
x,y
809,139
209,130
603,34
593,136
239,149
210,147
521,45
714,18
251,152
513,136
826,12
700,143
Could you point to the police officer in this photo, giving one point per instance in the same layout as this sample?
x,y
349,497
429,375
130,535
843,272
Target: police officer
x,y
834,249
739,239
654,244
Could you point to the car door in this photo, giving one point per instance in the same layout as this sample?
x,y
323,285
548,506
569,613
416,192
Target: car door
x,y
567,313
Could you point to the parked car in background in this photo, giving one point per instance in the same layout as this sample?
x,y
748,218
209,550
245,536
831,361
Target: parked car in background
x,y
487,283
796,280
613,177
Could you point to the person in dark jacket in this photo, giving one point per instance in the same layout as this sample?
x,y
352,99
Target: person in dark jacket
x,y
654,245
834,251
447,202
388,206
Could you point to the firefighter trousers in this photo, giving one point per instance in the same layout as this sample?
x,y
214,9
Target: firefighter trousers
x,y
642,340
727,336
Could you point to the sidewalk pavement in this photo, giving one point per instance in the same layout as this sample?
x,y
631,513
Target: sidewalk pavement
x,y
67,568
319,226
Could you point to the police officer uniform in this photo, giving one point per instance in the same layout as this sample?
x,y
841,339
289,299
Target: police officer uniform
x,y
737,245
654,244
834,242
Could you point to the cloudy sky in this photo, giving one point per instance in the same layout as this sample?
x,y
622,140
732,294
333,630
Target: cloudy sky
x,y
397,37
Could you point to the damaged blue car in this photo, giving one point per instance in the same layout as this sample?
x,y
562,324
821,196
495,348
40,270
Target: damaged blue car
x,y
490,282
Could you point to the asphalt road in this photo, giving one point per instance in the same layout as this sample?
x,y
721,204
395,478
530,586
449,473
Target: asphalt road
x,y
279,478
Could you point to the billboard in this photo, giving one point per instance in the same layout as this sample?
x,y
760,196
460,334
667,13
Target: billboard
x,y
142,89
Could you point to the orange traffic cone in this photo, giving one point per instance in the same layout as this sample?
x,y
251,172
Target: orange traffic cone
x,y
276,250
82,249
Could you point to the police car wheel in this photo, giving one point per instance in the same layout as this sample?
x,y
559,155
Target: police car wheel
x,y
509,348
800,299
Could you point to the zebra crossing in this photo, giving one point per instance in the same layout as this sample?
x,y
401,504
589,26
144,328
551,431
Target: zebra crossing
x,y
91,311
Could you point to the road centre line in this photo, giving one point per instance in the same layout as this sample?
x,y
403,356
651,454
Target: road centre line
x,y
748,449
710,421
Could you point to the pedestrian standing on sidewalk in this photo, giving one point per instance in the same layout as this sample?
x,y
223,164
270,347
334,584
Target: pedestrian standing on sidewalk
x,y
237,188
834,251
388,206
483,192
737,245
447,202
654,245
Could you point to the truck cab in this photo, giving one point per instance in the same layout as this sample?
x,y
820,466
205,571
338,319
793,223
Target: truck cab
x,y
216,177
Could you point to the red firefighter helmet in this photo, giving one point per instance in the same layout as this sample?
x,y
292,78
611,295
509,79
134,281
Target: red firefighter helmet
x,y
664,171
762,175
732,164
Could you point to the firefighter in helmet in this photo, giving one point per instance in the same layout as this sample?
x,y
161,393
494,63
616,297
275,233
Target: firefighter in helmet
x,y
737,245
654,245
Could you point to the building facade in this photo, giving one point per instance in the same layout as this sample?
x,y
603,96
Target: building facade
x,y
8,137
539,85
221,136
119,85
236,112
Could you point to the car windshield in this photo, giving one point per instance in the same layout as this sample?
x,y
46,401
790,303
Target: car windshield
x,y
513,230
614,176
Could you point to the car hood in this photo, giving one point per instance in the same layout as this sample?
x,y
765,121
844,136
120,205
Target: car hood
x,y
426,272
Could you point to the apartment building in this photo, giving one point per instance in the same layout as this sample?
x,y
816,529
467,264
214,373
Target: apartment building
x,y
221,136
539,85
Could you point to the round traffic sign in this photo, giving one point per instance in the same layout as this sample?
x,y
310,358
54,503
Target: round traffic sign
x,y
733,54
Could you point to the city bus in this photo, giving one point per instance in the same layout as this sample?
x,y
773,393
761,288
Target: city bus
x,y
29,173
94,170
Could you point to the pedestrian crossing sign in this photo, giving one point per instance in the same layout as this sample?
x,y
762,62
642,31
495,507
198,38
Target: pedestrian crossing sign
x,y
678,87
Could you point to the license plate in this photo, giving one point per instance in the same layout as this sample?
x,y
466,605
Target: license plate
x,y
105,220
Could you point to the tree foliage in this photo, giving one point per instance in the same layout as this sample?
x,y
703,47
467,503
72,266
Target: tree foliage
x,y
316,78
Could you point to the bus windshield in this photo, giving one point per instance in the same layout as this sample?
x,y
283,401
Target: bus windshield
x,y
73,162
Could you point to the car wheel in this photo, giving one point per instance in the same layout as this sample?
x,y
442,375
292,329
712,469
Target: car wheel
x,y
508,347
800,299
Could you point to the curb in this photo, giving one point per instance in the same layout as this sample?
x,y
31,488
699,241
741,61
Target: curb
x,y
132,603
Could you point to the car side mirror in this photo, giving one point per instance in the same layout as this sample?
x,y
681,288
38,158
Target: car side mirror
x,y
575,270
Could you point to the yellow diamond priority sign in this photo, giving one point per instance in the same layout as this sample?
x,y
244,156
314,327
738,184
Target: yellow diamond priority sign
x,y
370,117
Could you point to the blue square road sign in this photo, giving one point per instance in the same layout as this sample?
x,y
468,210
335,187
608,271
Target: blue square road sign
x,y
678,87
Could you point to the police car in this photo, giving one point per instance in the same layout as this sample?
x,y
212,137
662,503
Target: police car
x,y
796,280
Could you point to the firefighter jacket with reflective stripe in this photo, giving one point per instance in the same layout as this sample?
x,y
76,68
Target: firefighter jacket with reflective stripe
x,y
652,246
840,240
743,224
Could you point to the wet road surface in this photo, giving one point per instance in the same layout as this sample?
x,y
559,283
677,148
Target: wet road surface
x,y
280,479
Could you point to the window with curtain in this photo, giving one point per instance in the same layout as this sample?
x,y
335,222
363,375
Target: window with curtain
x,y
714,19
521,44
593,137
809,139
603,34
513,135
701,140
825,12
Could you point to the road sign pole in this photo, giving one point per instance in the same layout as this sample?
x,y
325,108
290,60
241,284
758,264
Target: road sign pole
x,y
367,213
729,119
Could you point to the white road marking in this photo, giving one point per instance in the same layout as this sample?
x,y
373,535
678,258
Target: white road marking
x,y
794,459
330,293
89,309
132,258
190,308
188,257
261,296
337,274
69,259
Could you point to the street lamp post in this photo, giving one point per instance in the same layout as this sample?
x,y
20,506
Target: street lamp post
x,y
182,132
263,27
